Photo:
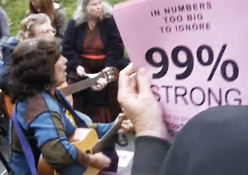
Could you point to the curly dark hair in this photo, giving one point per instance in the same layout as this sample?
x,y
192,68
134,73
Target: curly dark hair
x,y
32,68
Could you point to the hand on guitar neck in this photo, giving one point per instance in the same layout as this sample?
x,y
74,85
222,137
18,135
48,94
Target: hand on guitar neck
x,y
101,82
126,124
99,161
100,79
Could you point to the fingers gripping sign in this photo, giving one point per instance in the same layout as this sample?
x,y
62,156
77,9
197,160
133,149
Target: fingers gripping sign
x,y
134,96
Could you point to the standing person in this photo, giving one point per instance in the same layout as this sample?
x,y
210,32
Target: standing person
x,y
214,142
37,68
91,43
54,11
4,31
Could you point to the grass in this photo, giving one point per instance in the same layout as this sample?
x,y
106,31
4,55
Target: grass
x,y
16,10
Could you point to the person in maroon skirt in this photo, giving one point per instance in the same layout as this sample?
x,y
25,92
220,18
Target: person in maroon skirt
x,y
91,43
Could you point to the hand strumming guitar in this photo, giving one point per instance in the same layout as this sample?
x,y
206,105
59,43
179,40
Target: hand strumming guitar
x,y
99,160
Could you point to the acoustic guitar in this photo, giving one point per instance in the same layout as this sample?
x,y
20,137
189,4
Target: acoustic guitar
x,y
110,74
5,104
87,141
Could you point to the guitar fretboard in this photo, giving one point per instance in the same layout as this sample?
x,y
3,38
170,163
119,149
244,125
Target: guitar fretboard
x,y
104,141
78,86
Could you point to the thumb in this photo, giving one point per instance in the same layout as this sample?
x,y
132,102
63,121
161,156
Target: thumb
x,y
143,81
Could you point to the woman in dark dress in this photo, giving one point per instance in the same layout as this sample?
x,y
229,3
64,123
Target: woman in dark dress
x,y
92,42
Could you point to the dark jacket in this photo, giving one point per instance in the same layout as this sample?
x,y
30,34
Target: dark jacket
x,y
8,48
214,142
73,43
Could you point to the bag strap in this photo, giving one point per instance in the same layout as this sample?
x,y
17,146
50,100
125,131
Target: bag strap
x,y
68,107
24,144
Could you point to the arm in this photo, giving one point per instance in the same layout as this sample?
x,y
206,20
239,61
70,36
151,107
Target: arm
x,y
115,50
139,103
124,127
141,107
4,28
155,149
69,46
102,128
54,144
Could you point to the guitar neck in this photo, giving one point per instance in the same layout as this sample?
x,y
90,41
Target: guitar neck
x,y
104,141
79,86
110,74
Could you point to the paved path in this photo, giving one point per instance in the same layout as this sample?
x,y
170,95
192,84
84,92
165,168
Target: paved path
x,y
129,147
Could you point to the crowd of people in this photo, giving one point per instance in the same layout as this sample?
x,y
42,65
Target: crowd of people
x,y
48,53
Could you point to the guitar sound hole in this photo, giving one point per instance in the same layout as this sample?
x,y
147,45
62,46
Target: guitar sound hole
x,y
88,151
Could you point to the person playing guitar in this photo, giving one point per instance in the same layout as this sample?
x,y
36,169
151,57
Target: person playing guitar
x,y
33,18
40,113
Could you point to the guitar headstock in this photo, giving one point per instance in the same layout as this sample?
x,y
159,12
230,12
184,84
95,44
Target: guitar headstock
x,y
110,74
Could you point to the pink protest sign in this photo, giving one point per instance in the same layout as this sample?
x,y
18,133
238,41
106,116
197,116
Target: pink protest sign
x,y
195,51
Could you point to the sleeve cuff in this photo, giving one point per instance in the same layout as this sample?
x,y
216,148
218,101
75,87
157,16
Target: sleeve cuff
x,y
150,154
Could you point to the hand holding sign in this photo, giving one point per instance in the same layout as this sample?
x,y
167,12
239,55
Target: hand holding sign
x,y
195,52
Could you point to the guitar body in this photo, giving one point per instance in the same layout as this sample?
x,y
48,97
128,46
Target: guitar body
x,y
84,139
5,104
8,104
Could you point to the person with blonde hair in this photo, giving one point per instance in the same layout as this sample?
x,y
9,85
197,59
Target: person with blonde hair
x,y
33,26
36,25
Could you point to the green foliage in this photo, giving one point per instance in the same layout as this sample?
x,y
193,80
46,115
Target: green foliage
x,y
69,6
16,10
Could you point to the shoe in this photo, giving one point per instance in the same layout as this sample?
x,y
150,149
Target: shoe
x,y
122,140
